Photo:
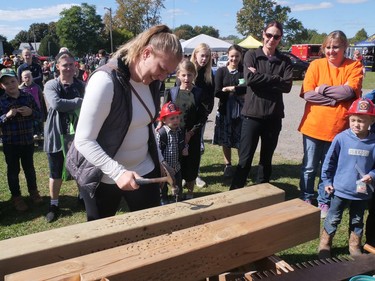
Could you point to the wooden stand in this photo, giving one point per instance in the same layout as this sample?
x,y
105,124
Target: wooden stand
x,y
81,239
195,252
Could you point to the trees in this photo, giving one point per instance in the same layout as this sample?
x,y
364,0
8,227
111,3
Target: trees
x,y
79,28
359,36
186,31
255,14
137,15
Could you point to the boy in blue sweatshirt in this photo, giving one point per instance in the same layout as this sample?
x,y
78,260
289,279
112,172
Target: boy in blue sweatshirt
x,y
347,174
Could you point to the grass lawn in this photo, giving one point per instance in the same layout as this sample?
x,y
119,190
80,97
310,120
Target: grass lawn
x,y
285,176
13,224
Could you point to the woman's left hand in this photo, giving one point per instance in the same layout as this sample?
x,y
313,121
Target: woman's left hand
x,y
127,181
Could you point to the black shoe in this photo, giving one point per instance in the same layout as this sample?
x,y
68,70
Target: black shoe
x,y
52,213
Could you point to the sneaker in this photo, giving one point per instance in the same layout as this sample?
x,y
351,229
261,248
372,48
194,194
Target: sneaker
x,y
199,182
228,171
19,204
189,195
52,213
36,137
308,201
35,197
324,208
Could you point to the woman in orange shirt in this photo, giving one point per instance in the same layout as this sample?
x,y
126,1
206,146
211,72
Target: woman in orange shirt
x,y
330,86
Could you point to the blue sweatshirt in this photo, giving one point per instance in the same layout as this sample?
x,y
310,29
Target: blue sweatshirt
x,y
339,167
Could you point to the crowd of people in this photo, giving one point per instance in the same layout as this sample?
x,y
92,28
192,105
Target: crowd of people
x,y
125,133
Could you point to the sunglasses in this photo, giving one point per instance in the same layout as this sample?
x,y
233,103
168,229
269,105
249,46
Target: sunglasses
x,y
276,36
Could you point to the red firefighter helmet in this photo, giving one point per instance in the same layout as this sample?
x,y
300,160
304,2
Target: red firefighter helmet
x,y
169,109
362,106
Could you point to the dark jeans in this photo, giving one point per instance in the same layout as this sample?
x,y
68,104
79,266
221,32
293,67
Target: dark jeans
x,y
268,131
370,223
14,154
108,197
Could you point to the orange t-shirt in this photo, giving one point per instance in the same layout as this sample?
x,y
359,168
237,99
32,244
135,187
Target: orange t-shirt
x,y
324,122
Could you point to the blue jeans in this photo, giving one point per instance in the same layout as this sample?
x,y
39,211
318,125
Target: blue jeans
x,y
314,152
356,211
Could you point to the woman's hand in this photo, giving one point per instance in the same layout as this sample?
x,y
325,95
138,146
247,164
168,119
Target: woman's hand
x,y
127,181
229,89
252,69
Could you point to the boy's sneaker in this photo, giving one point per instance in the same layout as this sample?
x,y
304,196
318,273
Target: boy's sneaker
x,y
308,201
52,213
324,208
19,204
228,171
199,182
35,197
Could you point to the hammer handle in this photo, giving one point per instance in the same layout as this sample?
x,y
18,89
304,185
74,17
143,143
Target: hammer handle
x,y
142,181
369,248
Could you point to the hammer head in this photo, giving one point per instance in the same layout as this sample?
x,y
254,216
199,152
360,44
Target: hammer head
x,y
169,173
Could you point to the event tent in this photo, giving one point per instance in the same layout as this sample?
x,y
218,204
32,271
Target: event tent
x,y
369,42
216,45
250,43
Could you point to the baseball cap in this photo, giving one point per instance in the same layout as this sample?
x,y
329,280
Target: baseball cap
x,y
7,72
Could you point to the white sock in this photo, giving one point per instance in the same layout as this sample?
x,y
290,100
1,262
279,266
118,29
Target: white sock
x,y
55,202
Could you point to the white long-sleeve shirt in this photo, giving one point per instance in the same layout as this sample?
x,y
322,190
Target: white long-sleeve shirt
x,y
133,153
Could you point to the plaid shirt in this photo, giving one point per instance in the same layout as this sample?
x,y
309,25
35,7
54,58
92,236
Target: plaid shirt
x,y
171,153
18,130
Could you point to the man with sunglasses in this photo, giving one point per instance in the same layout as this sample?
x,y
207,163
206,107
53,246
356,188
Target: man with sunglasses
x,y
268,75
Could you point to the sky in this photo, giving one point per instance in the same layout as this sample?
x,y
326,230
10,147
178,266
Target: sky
x,y
324,16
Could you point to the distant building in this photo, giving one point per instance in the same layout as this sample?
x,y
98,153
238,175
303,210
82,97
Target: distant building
x,y
34,47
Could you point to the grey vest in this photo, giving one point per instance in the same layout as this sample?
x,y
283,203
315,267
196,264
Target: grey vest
x,y
114,128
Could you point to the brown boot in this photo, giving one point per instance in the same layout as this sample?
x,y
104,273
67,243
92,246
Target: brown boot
x,y
35,197
325,245
355,244
19,204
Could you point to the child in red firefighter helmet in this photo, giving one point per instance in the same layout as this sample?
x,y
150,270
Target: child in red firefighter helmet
x,y
172,145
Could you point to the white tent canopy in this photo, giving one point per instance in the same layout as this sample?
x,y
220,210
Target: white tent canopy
x,y
216,45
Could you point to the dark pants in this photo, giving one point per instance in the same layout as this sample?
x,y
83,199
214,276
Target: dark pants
x,y
14,154
268,131
108,197
370,223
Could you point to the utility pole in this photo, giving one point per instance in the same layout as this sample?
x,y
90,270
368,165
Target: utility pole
x,y
110,26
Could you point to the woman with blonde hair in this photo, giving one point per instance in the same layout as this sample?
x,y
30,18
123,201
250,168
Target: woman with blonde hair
x,y
201,57
330,86
115,137
189,98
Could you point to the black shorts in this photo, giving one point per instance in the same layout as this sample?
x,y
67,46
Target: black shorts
x,y
56,164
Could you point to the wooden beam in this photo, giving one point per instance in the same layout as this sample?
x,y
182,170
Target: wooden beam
x,y
193,253
63,243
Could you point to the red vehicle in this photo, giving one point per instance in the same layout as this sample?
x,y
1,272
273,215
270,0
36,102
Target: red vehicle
x,y
307,52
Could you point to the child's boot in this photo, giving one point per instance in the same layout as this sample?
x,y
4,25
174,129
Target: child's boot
x,y
325,245
355,244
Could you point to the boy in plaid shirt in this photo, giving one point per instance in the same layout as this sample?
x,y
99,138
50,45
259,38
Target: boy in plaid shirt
x,y
171,143
18,111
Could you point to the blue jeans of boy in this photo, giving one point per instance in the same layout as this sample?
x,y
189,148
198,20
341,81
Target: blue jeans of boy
x,y
356,212
314,152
